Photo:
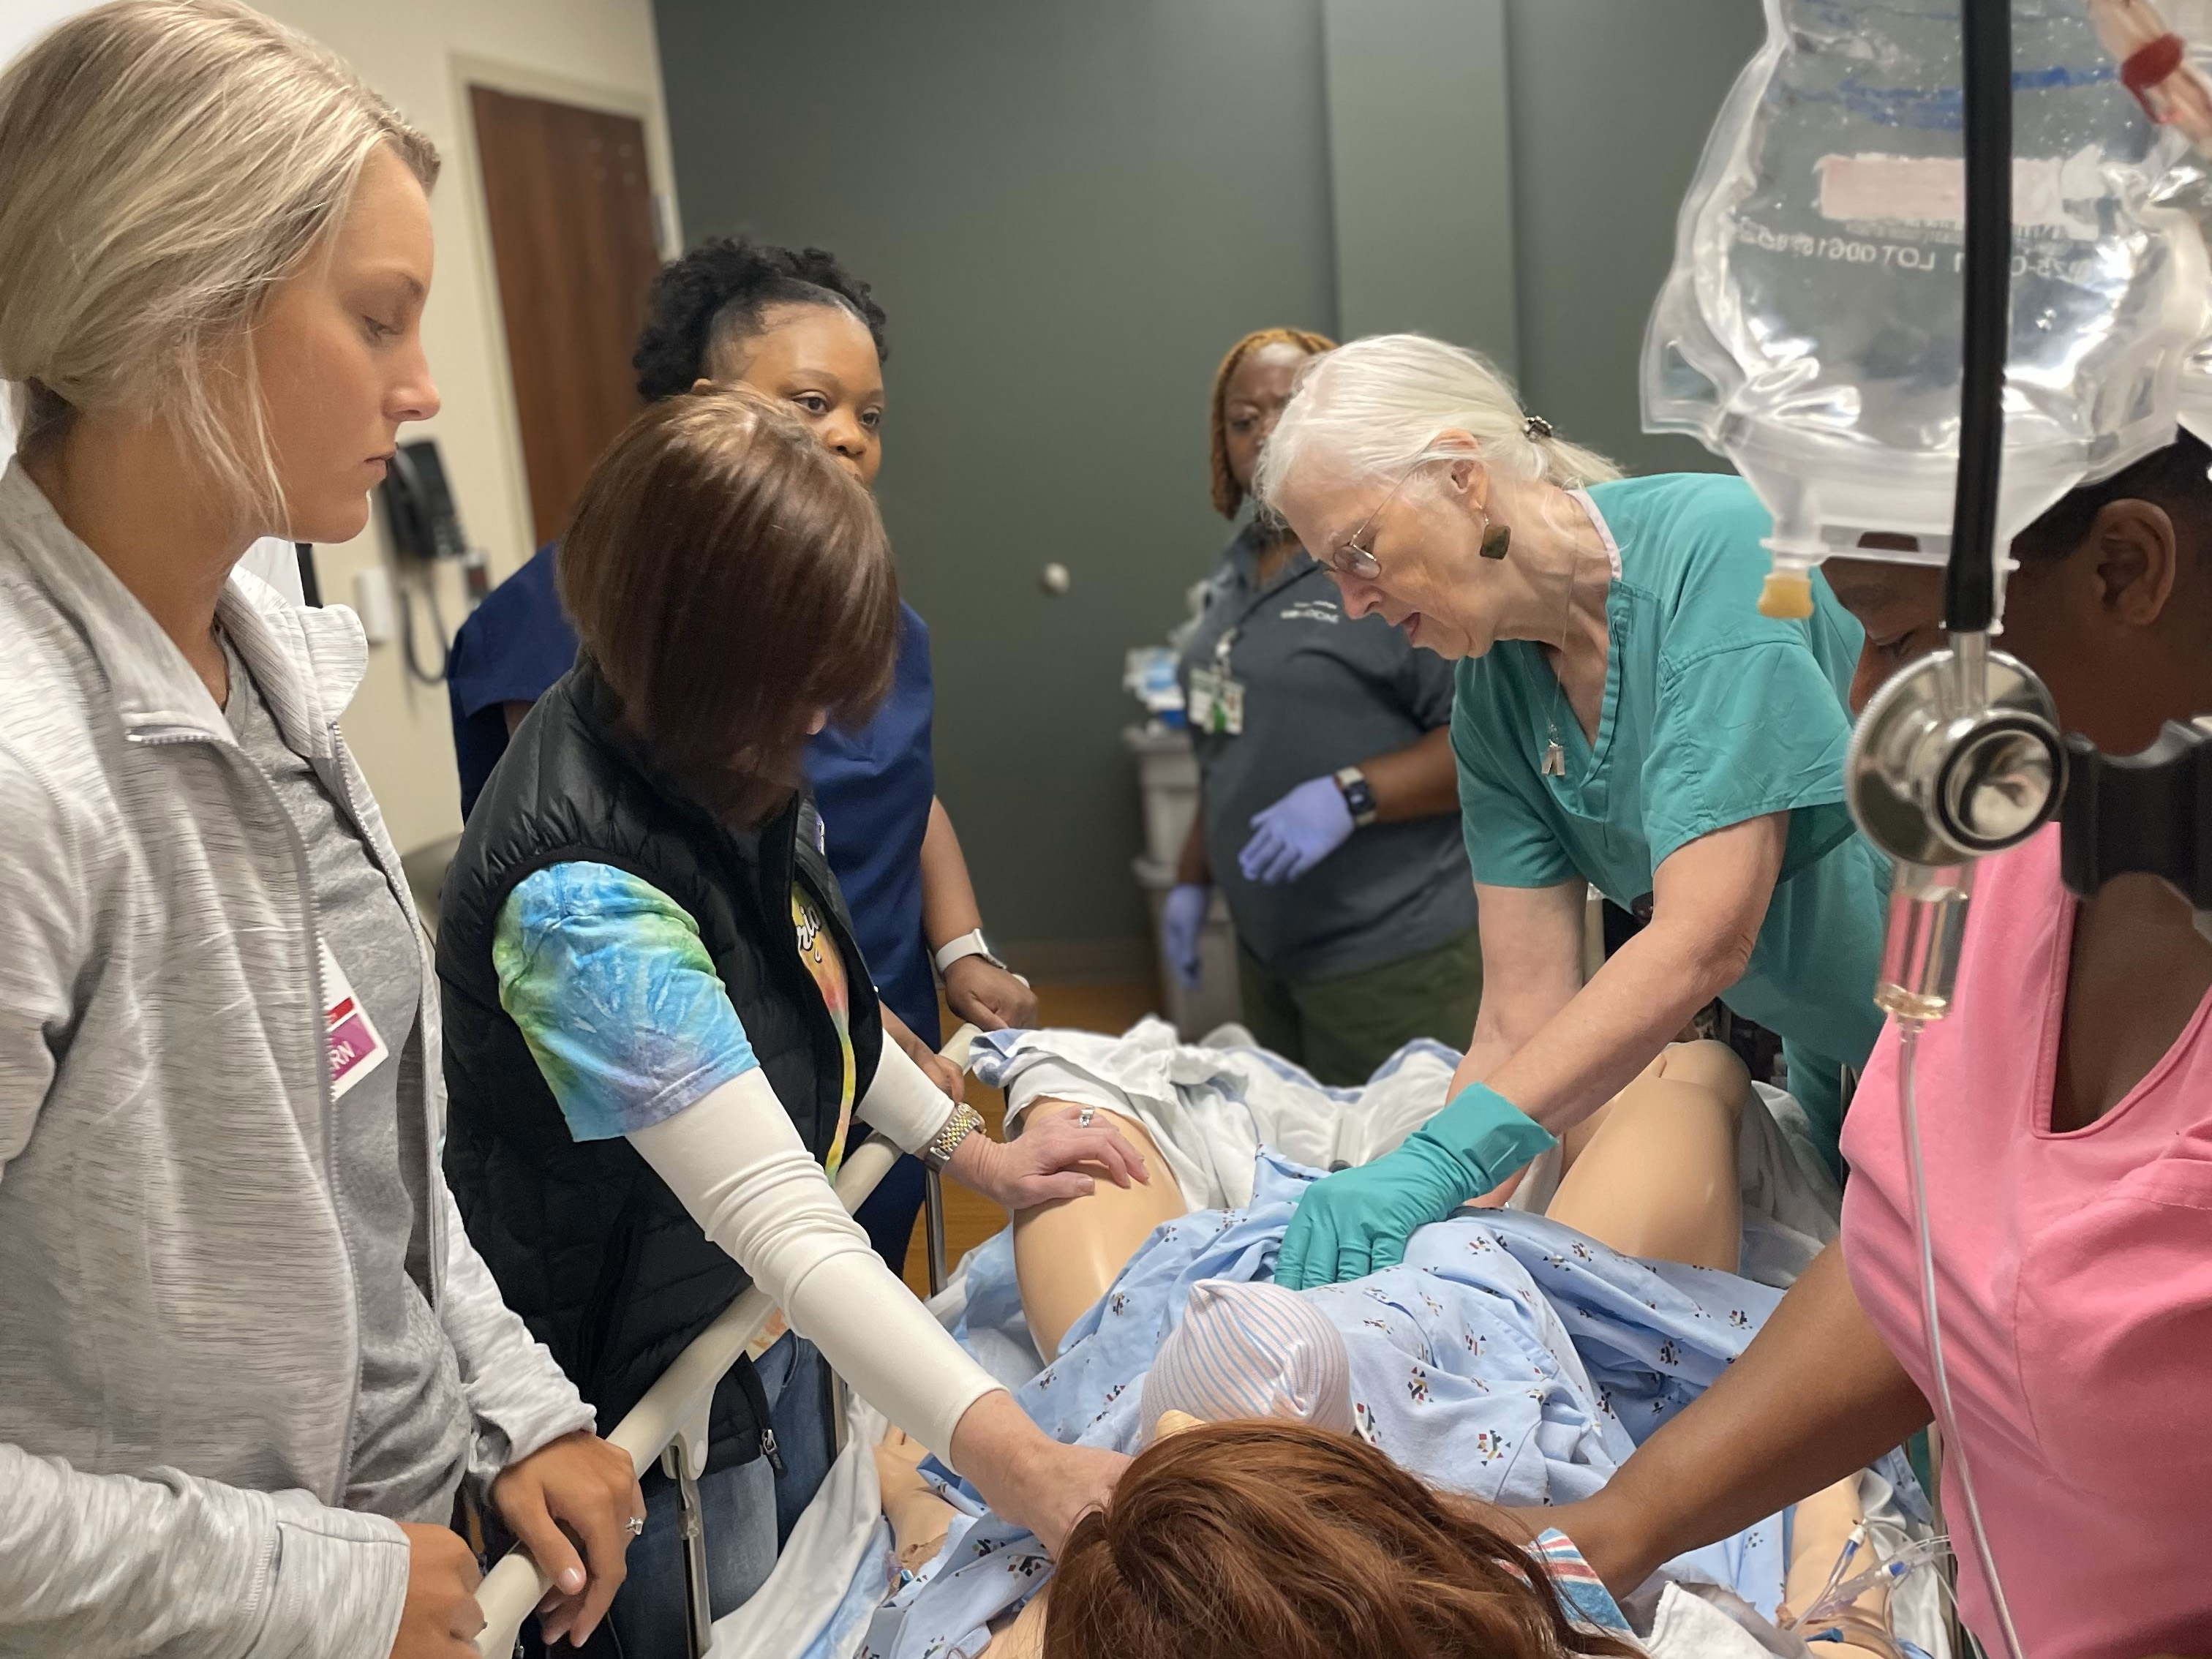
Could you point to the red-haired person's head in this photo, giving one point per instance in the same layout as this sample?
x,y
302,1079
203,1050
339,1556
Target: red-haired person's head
x,y
1267,1538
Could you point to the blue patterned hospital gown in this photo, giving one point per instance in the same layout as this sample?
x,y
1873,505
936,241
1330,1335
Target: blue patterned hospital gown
x,y
1508,1357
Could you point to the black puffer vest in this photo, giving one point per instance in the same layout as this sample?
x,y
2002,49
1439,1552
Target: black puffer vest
x,y
589,1244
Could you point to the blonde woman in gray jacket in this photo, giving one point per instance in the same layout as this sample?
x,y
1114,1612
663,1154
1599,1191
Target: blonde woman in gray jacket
x,y
248,1355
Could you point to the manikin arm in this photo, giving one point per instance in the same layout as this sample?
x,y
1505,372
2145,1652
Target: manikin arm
x,y
920,1521
1817,1533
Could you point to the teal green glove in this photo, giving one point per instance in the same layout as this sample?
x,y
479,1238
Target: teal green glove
x,y
1356,1221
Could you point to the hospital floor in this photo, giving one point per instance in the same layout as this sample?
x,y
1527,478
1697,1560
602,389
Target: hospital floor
x,y
969,1220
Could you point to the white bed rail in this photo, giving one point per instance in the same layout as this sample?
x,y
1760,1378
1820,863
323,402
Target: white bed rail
x,y
672,1414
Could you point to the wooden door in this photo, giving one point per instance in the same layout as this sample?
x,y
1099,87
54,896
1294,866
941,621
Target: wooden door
x,y
571,206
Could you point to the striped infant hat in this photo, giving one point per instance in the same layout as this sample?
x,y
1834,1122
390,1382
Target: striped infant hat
x,y
1250,1349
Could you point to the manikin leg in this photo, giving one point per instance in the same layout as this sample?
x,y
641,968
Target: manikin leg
x,y
1066,1254
1653,1174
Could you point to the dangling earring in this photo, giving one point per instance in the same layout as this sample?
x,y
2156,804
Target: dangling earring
x,y
1496,539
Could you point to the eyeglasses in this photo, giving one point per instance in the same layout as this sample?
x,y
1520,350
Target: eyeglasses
x,y
1353,559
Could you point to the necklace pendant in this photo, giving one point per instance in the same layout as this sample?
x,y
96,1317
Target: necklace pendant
x,y
1555,760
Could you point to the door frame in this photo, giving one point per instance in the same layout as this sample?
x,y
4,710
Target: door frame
x,y
465,70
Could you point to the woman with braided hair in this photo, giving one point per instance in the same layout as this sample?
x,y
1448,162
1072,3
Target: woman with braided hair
x,y
1326,793
797,325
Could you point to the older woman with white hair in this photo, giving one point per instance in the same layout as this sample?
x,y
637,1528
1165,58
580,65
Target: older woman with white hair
x,y
248,1355
1624,717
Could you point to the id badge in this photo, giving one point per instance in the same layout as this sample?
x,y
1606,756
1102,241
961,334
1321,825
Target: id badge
x,y
356,1047
1217,704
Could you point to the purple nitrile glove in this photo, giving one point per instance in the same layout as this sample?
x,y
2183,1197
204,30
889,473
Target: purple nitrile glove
x,y
1296,833
1181,923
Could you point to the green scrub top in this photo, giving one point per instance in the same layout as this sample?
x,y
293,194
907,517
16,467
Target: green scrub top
x,y
1713,714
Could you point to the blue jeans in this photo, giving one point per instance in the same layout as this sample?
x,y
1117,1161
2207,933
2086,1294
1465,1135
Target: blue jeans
x,y
748,1511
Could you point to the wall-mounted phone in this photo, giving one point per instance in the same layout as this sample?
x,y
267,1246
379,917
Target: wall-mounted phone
x,y
424,526
418,505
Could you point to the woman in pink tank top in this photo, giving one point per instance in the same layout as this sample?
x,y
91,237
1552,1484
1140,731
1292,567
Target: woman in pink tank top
x,y
2066,1124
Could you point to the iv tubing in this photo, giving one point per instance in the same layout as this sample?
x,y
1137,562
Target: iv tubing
x,y
1954,1448
1842,1593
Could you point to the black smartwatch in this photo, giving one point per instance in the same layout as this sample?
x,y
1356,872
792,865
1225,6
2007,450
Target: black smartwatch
x,y
1358,795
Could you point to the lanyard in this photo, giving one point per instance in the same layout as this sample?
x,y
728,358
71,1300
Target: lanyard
x,y
1227,642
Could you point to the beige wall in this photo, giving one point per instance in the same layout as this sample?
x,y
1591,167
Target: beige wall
x,y
423,54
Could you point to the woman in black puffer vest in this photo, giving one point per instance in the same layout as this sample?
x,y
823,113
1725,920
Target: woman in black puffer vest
x,y
658,1027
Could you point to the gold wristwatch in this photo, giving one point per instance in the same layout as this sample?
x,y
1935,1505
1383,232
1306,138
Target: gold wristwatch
x,y
964,1121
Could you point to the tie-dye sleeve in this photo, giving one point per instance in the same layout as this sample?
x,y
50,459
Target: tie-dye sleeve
x,y
617,997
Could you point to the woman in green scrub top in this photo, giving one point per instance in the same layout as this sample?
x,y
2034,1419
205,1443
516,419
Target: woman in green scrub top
x,y
1623,717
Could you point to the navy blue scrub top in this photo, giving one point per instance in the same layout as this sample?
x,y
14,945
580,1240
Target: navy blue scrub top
x,y
873,786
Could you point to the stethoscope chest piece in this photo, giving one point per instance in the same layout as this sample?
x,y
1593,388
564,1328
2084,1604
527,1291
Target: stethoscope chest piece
x,y
1940,771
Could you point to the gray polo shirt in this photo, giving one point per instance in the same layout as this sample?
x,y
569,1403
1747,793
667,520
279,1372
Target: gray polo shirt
x,y
1322,690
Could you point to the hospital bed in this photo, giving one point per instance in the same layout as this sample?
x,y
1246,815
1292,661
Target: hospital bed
x,y
669,1424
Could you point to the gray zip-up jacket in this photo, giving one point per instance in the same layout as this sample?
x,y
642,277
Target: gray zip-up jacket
x,y
178,1362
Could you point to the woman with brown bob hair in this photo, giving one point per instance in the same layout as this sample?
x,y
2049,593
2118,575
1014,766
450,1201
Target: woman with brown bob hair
x,y
661,1028
807,566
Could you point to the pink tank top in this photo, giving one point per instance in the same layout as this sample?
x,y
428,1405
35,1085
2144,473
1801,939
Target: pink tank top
x,y
2074,1273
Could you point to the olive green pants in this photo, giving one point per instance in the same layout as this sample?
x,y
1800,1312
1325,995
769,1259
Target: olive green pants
x,y
1340,1030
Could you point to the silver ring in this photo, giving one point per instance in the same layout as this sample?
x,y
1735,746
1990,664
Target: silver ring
x,y
635,1526
1083,1118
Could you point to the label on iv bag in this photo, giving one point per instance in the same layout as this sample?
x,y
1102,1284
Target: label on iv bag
x,y
2048,192
356,1047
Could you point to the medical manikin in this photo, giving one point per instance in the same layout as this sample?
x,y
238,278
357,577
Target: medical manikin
x,y
1652,1174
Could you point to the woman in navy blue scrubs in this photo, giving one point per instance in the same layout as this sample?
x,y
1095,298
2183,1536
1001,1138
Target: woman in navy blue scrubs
x,y
799,326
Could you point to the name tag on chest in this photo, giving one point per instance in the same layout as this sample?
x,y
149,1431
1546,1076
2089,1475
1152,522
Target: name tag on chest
x,y
356,1048
1217,704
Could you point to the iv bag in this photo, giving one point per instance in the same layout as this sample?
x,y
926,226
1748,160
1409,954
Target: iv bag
x,y
1810,328
2186,187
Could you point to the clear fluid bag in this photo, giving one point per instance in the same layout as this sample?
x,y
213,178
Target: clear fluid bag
x,y
1809,329
2185,186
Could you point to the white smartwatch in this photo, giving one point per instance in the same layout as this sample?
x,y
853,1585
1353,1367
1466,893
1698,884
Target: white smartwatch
x,y
969,943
